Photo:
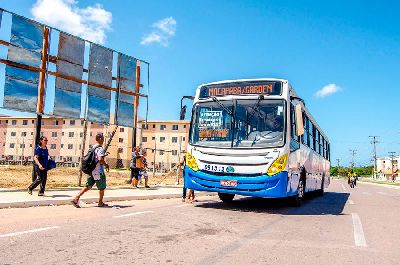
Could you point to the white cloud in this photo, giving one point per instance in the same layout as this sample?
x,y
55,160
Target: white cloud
x,y
164,29
90,23
328,90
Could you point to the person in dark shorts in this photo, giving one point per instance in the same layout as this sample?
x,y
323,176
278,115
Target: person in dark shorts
x,y
134,167
98,176
41,158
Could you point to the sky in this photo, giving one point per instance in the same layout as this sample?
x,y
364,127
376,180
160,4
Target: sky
x,y
342,57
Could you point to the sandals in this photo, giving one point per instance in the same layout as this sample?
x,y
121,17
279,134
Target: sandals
x,y
75,203
102,204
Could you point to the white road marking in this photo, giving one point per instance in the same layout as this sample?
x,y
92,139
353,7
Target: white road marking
x,y
359,238
351,201
29,231
344,188
132,214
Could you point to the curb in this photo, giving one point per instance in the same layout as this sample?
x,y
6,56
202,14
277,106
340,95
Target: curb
x,y
380,184
57,202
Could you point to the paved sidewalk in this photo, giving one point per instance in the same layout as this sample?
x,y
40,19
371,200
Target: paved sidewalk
x,y
21,198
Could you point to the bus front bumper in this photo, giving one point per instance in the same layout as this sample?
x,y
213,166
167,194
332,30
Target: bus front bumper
x,y
258,186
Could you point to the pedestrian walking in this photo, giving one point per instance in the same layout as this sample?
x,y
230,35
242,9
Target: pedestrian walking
x,y
143,171
98,175
41,159
187,194
134,166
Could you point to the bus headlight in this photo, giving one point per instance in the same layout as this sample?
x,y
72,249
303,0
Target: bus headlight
x,y
191,162
278,165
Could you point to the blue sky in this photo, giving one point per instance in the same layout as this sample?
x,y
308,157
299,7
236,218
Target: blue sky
x,y
352,45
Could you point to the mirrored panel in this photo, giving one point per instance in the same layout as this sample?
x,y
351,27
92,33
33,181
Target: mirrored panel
x,y
22,74
71,49
24,56
126,98
20,95
126,72
125,114
67,104
98,110
1,16
100,70
26,34
72,70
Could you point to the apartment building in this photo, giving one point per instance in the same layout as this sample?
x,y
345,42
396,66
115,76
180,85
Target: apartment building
x,y
385,165
161,138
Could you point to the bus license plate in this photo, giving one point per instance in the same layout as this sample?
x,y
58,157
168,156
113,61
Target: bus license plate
x,y
228,183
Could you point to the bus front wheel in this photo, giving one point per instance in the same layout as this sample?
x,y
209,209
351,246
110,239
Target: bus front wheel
x,y
226,197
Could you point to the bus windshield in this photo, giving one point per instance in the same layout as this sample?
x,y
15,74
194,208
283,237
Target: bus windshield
x,y
239,124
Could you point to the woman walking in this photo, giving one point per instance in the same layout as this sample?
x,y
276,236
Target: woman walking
x,y
41,158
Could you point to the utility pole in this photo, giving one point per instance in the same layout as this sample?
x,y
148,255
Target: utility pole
x,y
353,153
374,142
154,157
392,155
338,167
179,160
83,146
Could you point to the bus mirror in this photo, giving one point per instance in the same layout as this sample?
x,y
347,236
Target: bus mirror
x,y
183,113
299,121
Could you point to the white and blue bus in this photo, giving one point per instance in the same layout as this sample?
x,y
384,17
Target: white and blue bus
x,y
255,137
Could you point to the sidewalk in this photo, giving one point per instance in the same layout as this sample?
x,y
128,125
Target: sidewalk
x,y
21,198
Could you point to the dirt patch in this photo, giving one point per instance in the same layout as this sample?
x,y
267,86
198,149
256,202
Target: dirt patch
x,y
21,177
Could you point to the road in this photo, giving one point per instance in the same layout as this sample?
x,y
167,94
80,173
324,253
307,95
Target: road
x,y
345,226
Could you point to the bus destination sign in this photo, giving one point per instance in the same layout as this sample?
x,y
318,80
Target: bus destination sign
x,y
241,88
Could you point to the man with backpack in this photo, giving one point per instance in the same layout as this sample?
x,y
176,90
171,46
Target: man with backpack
x,y
93,164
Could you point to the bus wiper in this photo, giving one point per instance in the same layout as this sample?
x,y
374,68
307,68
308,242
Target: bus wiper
x,y
223,106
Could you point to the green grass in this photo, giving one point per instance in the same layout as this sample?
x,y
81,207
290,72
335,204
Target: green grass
x,y
382,182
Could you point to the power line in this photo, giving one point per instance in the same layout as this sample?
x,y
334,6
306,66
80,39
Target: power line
x,y
353,153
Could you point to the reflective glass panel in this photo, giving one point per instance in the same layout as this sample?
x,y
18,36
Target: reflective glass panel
x,y
126,98
24,56
67,104
20,95
22,74
71,49
100,70
1,16
26,34
98,110
72,70
127,72
125,114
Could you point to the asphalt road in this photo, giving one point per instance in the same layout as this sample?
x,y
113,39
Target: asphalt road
x,y
345,226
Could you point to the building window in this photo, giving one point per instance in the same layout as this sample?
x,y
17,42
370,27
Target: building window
x,y
91,134
144,126
31,133
162,139
144,139
54,123
53,158
184,126
13,133
81,134
72,122
174,152
120,150
174,139
25,122
70,146
154,126
69,158
62,145
53,146
53,134
23,134
71,134
183,139
33,121
82,122
62,133
163,127
153,138
121,140
121,129
14,122
161,152
22,146
42,122
30,145
175,127
12,145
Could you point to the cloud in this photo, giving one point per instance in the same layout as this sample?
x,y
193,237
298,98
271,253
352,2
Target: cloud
x,y
328,90
90,23
163,30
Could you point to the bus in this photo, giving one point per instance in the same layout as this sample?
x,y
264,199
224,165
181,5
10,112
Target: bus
x,y
255,137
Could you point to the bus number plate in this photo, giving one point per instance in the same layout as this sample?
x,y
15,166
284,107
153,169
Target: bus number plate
x,y
228,183
214,168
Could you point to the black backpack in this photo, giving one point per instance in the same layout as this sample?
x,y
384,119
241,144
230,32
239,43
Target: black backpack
x,y
89,161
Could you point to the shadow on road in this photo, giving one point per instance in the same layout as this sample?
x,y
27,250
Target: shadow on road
x,y
332,203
